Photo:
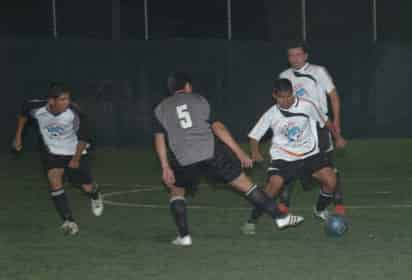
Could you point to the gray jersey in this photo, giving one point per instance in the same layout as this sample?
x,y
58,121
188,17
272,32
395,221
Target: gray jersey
x,y
185,119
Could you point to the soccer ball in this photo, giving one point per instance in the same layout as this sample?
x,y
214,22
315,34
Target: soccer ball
x,y
336,225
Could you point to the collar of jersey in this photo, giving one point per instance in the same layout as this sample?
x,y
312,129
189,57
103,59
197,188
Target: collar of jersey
x,y
54,114
303,68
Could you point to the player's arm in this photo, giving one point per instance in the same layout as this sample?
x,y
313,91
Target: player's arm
x,y
168,176
24,115
315,113
328,85
224,135
257,132
160,145
21,123
83,136
335,104
255,151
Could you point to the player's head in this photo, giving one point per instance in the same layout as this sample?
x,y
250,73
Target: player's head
x,y
58,97
297,54
179,82
283,93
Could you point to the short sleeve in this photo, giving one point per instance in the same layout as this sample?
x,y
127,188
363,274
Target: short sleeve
x,y
29,106
157,127
325,80
263,124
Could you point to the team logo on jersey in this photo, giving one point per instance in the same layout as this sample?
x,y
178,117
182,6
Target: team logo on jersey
x,y
300,92
292,132
54,131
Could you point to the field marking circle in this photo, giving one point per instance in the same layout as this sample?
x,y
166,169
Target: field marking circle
x,y
151,188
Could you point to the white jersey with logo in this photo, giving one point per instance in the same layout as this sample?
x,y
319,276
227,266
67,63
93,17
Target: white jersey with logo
x,y
60,132
312,82
294,130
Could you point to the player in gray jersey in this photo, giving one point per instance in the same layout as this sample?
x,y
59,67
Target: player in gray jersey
x,y
201,145
65,136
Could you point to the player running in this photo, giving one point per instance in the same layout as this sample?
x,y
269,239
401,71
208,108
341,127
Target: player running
x,y
65,136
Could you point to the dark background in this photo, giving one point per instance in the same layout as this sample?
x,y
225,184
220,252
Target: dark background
x,y
117,76
267,20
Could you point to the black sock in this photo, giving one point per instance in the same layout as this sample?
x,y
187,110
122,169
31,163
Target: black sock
x,y
94,194
255,215
62,205
178,209
324,200
262,201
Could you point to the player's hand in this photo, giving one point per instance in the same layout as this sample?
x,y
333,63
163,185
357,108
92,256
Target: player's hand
x,y
245,160
74,163
168,176
17,144
340,143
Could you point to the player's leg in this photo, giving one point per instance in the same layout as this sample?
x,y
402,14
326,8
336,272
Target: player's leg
x,y
82,176
259,199
186,177
60,200
273,187
228,168
327,177
338,196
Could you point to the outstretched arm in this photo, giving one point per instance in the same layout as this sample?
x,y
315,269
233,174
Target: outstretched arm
x,y
224,135
21,123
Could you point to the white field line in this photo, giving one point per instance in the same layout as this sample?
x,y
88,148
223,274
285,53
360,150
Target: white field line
x,y
165,206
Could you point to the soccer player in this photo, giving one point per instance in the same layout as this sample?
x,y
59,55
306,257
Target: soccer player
x,y
314,83
295,147
199,145
65,135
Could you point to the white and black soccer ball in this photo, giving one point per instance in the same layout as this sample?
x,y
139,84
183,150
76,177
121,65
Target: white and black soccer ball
x,y
336,225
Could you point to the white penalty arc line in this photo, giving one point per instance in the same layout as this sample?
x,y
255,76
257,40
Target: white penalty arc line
x,y
206,207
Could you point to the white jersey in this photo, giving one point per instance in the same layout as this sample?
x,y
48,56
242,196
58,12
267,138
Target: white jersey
x,y
312,82
60,132
294,130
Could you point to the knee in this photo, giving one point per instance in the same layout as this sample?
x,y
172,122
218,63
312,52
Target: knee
x,y
274,186
329,185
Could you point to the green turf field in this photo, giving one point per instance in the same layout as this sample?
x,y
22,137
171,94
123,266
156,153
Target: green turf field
x,y
131,240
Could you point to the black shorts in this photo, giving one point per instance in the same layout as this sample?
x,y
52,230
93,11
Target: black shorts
x,y
291,170
81,175
224,166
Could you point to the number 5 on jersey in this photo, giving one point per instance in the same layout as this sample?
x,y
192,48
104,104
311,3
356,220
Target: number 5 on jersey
x,y
184,116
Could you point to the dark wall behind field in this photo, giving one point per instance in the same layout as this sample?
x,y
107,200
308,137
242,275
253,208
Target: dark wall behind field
x,y
118,82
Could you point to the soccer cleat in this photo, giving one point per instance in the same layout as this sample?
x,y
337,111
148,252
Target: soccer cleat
x,y
323,215
69,227
248,229
288,221
97,205
182,241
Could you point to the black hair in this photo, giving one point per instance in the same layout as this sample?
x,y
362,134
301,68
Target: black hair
x,y
282,85
177,81
298,44
57,89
